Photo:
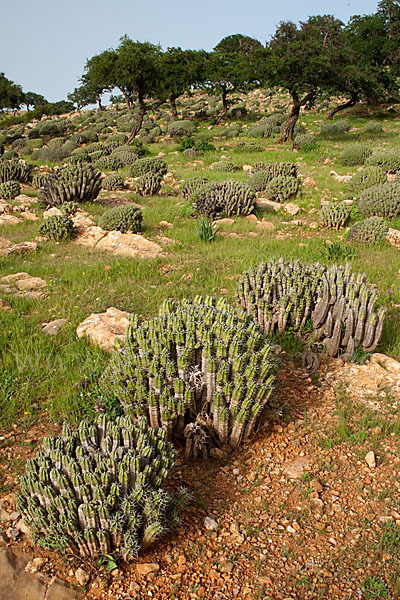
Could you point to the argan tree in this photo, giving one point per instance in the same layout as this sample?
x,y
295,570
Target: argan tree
x,y
11,94
305,60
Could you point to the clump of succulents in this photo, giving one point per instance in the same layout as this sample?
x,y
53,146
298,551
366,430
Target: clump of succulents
x,y
259,180
191,185
148,166
356,154
39,179
380,200
388,160
98,490
224,166
113,182
9,190
69,208
362,180
57,227
202,371
305,141
276,169
122,218
282,188
339,304
148,185
14,170
111,162
127,157
334,214
232,198
371,231
248,147
77,183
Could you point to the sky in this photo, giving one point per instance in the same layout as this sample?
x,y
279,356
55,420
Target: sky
x,y
44,44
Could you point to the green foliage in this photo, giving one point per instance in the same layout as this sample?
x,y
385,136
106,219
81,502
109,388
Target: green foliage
x,y
276,169
248,147
380,200
185,126
305,142
77,183
337,128
224,166
58,227
122,218
355,154
336,251
98,490
388,160
226,197
372,128
11,94
362,180
261,131
334,214
148,166
112,182
281,295
282,188
9,190
14,170
206,230
69,208
148,184
371,231
210,374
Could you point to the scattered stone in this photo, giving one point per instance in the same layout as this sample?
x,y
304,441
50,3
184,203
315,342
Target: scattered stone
x,y
266,203
252,218
9,220
340,178
53,327
247,168
310,182
22,284
393,237
295,469
52,212
82,576
225,221
7,247
266,226
370,459
226,567
210,524
35,565
146,568
166,224
103,329
291,208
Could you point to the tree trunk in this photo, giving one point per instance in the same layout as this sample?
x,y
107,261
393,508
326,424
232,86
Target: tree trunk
x,y
128,99
172,102
101,107
139,122
348,104
288,129
224,110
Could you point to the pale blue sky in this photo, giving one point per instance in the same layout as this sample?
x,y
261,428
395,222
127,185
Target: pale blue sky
x,y
44,44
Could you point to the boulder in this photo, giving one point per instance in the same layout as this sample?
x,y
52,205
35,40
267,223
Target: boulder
x,y
7,247
22,284
103,329
393,237
266,203
291,208
53,327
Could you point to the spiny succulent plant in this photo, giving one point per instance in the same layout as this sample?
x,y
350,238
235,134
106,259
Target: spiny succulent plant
x,y
334,214
356,154
148,166
276,169
191,185
282,188
98,490
362,180
39,179
202,371
227,197
9,190
14,170
125,156
380,200
57,227
148,185
122,218
77,183
339,303
224,166
259,180
370,231
109,163
113,182
388,160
